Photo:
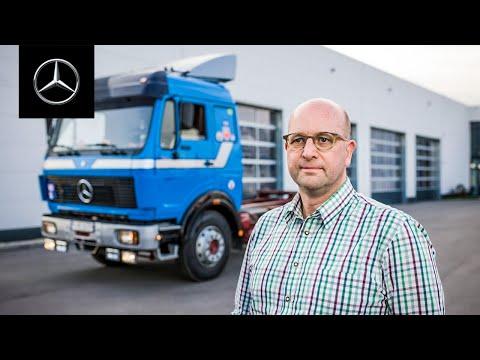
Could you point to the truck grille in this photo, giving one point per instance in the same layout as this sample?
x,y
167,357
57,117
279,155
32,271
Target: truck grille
x,y
107,191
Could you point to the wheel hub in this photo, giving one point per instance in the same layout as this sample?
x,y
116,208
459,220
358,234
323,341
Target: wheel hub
x,y
210,246
214,247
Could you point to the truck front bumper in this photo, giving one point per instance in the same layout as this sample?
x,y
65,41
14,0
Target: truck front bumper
x,y
89,235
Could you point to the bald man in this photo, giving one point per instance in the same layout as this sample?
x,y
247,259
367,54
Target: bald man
x,y
332,250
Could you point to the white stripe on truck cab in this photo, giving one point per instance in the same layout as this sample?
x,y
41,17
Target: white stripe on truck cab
x,y
52,164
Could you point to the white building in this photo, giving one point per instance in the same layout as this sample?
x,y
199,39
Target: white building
x,y
412,143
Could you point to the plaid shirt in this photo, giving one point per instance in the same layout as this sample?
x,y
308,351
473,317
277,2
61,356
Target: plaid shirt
x,y
353,255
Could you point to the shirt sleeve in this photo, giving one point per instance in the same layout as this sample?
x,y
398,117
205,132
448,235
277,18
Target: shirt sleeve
x,y
243,296
413,285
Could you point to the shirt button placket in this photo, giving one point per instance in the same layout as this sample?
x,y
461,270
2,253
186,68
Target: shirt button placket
x,y
306,230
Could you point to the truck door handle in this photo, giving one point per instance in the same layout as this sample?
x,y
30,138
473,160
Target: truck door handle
x,y
185,147
208,163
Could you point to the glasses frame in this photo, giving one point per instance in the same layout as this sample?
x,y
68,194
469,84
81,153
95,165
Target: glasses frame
x,y
335,136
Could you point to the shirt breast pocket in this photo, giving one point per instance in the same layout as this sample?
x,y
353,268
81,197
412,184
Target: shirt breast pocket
x,y
350,291
264,284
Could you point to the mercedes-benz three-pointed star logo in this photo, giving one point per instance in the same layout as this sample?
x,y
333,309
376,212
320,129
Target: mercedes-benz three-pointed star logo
x,y
85,191
56,82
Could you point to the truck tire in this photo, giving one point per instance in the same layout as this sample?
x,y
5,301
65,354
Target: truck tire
x,y
99,256
205,248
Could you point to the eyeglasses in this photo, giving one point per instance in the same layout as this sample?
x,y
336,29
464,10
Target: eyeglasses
x,y
323,141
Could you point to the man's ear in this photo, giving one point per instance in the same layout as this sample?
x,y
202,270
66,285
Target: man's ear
x,y
285,145
352,145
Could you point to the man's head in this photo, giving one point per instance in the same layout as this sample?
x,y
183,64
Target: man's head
x,y
316,171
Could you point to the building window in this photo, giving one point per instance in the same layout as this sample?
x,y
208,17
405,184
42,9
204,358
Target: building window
x,y
387,169
261,148
428,168
352,169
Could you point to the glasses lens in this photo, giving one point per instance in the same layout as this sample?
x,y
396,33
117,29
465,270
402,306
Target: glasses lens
x,y
324,141
296,141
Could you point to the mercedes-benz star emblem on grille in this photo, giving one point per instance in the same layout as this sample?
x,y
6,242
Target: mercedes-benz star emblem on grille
x,y
85,191
69,89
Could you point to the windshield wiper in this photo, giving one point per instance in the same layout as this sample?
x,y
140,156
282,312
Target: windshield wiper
x,y
68,150
112,149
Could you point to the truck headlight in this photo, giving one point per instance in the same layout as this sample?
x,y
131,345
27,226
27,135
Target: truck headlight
x,y
129,237
49,227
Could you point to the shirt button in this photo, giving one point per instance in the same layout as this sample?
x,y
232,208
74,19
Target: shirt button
x,y
295,263
306,232
287,298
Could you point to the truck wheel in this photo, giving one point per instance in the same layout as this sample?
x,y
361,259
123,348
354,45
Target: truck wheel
x,y
206,246
100,257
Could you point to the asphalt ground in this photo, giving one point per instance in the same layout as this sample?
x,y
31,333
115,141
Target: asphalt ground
x,y
36,281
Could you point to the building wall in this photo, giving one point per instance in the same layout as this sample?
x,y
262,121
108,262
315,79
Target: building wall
x,y
22,143
474,113
273,76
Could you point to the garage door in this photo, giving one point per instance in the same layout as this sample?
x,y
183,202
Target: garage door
x,y
387,166
352,169
261,146
428,168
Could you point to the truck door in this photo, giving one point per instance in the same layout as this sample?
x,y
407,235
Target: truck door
x,y
194,141
185,134
184,160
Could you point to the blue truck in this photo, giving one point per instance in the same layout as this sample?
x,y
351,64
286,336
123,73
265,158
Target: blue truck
x,y
156,174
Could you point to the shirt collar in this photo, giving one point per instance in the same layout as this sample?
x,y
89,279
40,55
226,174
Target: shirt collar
x,y
328,210
294,208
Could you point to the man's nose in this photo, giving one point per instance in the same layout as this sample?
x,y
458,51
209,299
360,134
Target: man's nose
x,y
310,150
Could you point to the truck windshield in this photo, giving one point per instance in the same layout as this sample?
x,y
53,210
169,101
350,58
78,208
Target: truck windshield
x,y
112,129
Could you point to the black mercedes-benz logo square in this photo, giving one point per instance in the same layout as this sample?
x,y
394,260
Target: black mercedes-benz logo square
x,y
56,81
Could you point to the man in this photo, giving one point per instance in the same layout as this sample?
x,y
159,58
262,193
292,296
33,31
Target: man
x,y
332,250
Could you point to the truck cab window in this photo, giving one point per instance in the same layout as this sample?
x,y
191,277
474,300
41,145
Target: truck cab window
x,y
192,121
167,140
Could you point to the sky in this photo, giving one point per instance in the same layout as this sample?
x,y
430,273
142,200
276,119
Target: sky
x,y
449,70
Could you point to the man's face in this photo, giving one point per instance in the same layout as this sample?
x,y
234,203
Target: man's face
x,y
312,169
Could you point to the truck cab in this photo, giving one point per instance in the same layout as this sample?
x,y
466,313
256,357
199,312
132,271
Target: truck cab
x,y
156,174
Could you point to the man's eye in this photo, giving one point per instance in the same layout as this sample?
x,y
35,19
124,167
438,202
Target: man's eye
x,y
298,140
323,139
